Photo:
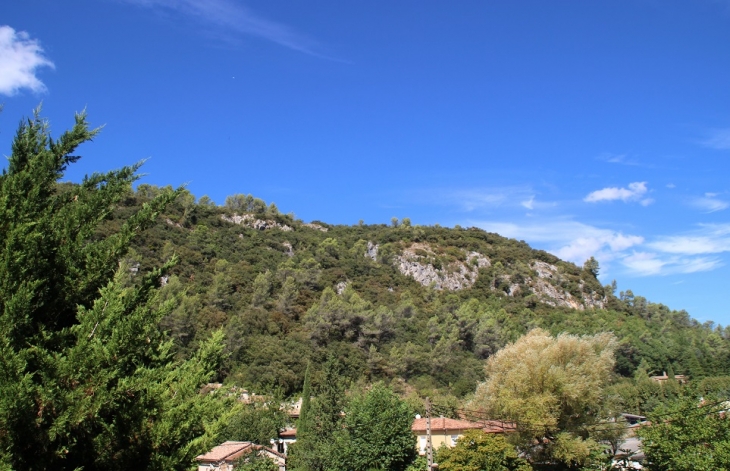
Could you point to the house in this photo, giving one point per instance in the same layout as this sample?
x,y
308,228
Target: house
x,y
445,431
681,379
286,438
225,456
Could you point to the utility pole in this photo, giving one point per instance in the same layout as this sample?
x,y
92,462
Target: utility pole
x,y
429,448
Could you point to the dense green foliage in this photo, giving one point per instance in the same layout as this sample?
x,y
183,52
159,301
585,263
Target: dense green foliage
x,y
378,431
258,422
319,445
87,379
479,451
688,434
275,293
255,462
111,318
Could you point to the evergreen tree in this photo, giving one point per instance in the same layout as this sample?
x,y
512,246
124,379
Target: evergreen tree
x,y
319,447
378,431
687,434
306,402
87,380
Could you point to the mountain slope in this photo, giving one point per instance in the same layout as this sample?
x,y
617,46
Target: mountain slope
x,y
420,306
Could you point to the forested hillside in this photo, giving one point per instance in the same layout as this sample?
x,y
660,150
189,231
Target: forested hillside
x,y
117,307
419,307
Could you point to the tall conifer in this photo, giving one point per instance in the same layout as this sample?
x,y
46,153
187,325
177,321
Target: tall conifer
x,y
87,379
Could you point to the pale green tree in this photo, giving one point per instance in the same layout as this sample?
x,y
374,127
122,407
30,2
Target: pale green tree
x,y
479,451
552,387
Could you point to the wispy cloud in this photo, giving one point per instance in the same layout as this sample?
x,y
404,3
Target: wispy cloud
x,y
621,159
488,198
709,239
576,242
567,239
648,263
709,203
20,59
529,203
236,18
718,139
634,192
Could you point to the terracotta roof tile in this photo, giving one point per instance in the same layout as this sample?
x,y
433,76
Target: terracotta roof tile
x,y
231,451
288,433
226,450
443,423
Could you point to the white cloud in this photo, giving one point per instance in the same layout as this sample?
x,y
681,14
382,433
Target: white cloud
x,y
709,203
634,192
646,201
569,240
718,139
621,159
709,239
20,59
487,198
234,17
576,242
529,204
647,264
605,246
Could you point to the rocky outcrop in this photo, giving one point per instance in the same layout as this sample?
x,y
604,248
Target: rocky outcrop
x,y
316,226
289,249
372,251
249,220
341,286
172,223
456,275
548,290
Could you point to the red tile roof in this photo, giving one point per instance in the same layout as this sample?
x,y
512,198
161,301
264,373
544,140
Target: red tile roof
x,y
443,423
288,433
231,451
225,451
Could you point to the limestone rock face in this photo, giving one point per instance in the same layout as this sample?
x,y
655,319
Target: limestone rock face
x,y
549,291
456,275
249,220
313,225
372,251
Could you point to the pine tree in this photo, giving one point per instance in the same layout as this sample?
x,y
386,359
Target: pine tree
x,y
87,379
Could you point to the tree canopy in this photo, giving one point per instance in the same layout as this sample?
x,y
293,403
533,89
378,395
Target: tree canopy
x,y
378,431
87,378
552,387
479,451
688,434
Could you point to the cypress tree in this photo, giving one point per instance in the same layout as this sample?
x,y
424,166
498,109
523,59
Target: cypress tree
x,y
306,400
87,379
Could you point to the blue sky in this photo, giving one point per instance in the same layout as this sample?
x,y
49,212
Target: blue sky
x,y
584,128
